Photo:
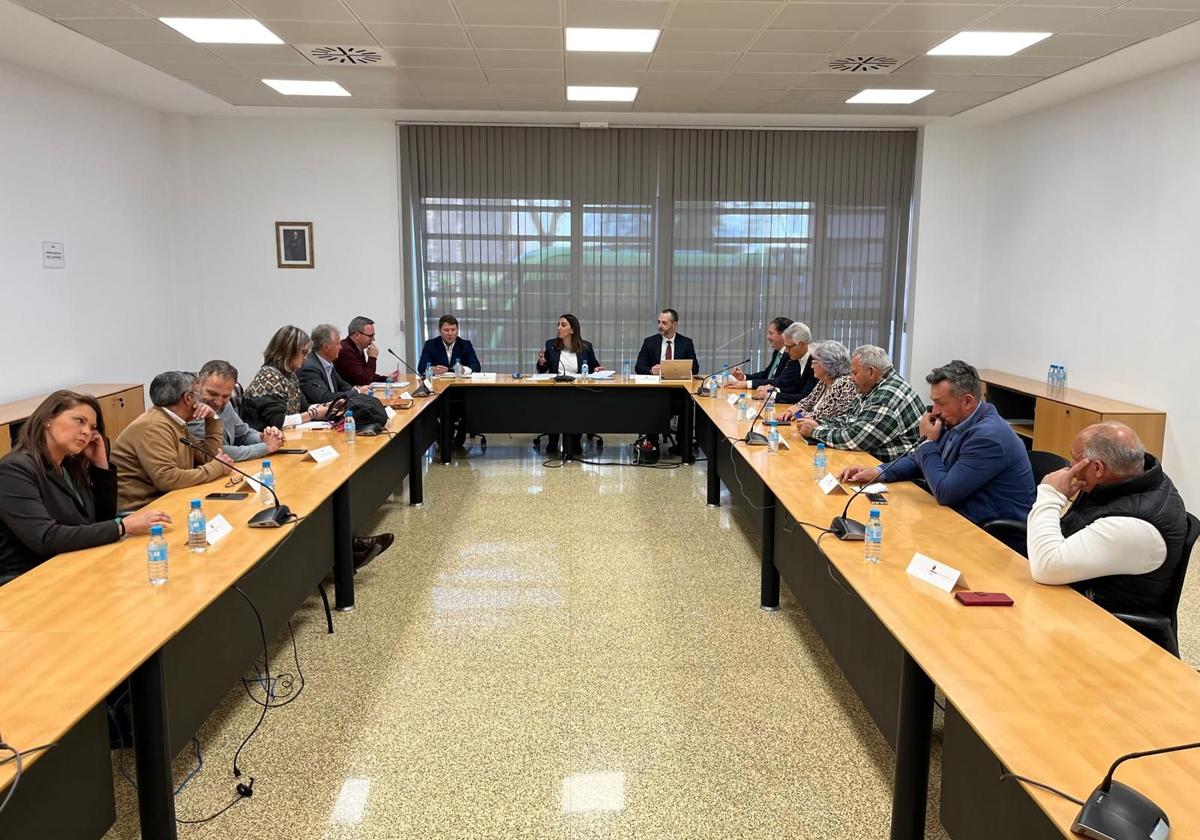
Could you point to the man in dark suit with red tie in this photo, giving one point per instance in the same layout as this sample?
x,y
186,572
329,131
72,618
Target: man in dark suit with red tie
x,y
664,346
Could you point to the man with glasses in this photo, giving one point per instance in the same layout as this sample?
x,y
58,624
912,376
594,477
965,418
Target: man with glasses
x,y
359,355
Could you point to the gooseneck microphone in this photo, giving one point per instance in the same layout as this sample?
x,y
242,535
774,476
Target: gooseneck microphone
x,y
704,381
563,376
1117,810
752,437
422,389
845,528
272,517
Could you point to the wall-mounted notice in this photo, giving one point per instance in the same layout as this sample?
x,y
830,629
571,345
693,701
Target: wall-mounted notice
x,y
53,255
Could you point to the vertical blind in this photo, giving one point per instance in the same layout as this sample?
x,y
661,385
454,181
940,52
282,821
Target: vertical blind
x,y
508,228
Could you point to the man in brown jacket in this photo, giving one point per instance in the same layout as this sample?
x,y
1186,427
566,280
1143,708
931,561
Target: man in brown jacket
x,y
148,455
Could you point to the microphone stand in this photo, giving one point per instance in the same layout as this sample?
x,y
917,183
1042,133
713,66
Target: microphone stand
x,y
563,376
704,381
1117,810
272,517
752,437
845,528
422,389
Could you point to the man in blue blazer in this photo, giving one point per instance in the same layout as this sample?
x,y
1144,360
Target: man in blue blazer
x,y
665,344
442,352
971,458
770,374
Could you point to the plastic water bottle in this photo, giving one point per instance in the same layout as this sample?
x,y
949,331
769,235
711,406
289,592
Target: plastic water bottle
x,y
458,370
266,478
387,389
741,408
584,370
874,541
1051,377
197,529
350,427
713,385
820,463
625,372
769,408
773,441
156,556
428,377
1062,377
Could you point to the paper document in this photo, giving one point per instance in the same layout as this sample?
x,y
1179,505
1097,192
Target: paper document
x,y
602,374
315,424
646,379
483,377
541,377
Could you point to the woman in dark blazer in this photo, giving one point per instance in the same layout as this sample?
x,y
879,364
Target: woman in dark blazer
x,y
58,491
567,353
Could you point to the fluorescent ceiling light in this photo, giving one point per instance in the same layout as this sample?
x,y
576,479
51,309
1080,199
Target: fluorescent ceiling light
x,y
303,87
988,43
223,30
611,40
595,93
886,96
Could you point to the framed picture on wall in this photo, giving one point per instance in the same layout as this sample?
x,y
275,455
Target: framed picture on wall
x,y
294,244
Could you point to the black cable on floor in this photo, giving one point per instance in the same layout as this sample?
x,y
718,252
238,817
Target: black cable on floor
x,y
1042,785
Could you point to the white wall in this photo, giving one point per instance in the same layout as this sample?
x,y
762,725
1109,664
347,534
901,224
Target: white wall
x,y
1090,251
944,288
235,178
86,170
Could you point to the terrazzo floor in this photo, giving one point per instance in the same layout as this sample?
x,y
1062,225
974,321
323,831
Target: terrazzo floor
x,y
550,653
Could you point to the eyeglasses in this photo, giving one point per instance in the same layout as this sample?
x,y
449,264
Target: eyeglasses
x,y
234,482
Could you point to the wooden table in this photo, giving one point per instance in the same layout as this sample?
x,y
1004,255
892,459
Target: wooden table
x,y
581,407
1053,688
82,623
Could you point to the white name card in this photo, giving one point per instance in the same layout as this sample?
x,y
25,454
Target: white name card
x,y
931,571
389,411
252,483
483,377
217,529
646,379
830,484
323,454
732,399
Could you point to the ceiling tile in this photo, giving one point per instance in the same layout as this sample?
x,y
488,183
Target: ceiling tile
x,y
694,61
799,96
892,43
1080,46
80,8
224,88
810,16
185,51
426,57
780,62
1032,65
320,32
365,74
610,77
911,17
593,107
462,103
803,42
258,100
950,64
1035,18
297,9
1099,4
510,76
394,103
961,97
259,53
627,14
404,11
701,40
699,80
143,30
190,8
1163,4
285,71
516,38
1143,23
435,90
381,90
445,75
607,61
418,35
521,59
528,104
727,15
203,70
744,97
761,81
992,3
510,12
555,92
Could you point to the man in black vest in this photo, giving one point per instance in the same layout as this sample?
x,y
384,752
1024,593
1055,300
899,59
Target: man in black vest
x,y
1122,539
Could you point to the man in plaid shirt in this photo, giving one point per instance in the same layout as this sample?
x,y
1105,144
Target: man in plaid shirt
x,y
888,416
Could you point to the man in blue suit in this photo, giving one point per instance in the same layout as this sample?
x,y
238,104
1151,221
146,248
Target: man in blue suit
x,y
665,344
442,352
971,458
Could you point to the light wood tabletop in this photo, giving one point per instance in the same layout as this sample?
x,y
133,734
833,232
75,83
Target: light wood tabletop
x,y
506,380
1081,399
78,624
1055,685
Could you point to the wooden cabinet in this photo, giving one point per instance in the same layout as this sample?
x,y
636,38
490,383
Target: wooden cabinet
x,y
1049,420
121,404
5,439
121,409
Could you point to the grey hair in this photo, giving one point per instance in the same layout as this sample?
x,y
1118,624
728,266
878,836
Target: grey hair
x,y
963,378
798,332
323,334
833,356
218,368
171,387
872,356
358,323
1116,446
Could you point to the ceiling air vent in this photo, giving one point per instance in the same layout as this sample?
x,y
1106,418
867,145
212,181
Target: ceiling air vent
x,y
861,65
341,56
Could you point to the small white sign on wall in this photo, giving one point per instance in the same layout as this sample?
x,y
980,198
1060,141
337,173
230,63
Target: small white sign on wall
x,y
54,255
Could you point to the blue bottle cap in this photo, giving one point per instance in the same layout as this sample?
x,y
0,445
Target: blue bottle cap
x,y
156,530
266,464
195,503
874,513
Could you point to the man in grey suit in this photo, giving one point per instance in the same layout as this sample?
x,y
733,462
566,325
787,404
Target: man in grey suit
x,y
319,379
214,387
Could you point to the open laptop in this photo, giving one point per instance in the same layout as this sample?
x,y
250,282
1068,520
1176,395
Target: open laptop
x,y
675,369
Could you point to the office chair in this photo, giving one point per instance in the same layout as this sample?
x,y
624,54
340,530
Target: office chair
x,y
1162,625
1012,532
1044,463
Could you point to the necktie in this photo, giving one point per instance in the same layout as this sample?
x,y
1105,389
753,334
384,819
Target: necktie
x,y
670,347
774,365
